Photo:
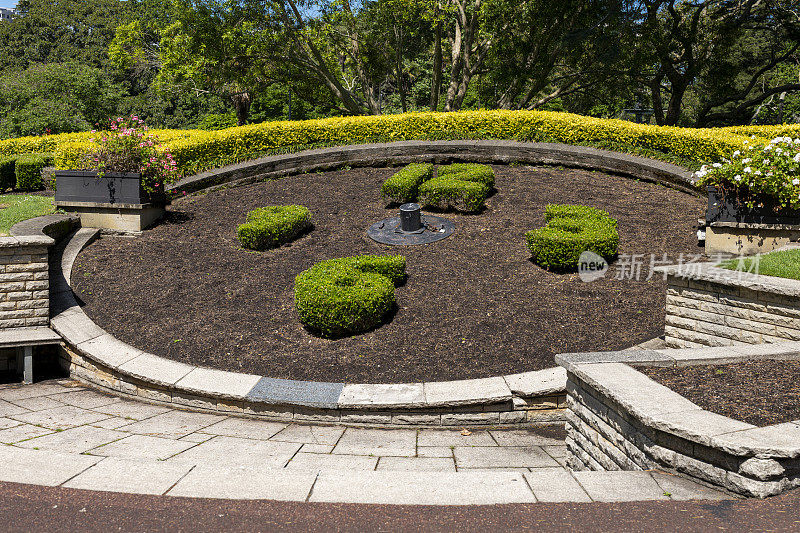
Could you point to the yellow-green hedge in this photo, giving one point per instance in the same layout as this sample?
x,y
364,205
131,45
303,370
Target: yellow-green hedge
x,y
197,150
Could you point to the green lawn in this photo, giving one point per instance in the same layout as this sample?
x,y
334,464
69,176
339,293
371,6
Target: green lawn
x,y
22,207
785,264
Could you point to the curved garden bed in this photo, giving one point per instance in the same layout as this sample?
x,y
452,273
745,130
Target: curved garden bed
x,y
187,291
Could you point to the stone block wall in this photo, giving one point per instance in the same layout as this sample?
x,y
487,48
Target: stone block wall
x,y
24,281
703,312
604,435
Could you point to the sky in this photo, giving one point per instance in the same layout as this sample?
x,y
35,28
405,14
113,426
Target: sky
x,y
8,4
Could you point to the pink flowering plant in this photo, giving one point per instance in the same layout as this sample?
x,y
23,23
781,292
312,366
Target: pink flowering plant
x,y
127,147
758,172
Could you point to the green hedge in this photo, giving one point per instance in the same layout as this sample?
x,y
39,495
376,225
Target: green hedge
x,y
403,186
452,193
8,172
29,171
350,295
268,227
468,172
570,231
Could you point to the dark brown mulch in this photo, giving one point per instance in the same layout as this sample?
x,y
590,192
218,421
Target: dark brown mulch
x,y
474,304
761,393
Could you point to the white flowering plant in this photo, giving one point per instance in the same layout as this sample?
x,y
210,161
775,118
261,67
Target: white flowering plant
x,y
759,173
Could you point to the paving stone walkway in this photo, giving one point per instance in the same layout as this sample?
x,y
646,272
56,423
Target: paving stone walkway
x,y
61,433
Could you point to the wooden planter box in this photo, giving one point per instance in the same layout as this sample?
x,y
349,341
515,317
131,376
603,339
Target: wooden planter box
x,y
115,201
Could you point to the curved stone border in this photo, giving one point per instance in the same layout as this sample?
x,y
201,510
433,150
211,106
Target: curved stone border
x,y
402,152
620,419
56,227
93,355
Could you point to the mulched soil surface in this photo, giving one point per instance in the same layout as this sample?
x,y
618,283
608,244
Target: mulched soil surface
x,y
761,393
474,304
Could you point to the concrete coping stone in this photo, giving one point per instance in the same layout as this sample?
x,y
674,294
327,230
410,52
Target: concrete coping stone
x,y
488,150
54,227
710,272
91,341
26,241
31,336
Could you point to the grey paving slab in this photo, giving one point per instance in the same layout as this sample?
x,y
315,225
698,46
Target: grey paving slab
x,y
435,451
17,392
307,393
620,486
39,403
378,442
500,457
438,437
132,410
468,391
129,476
143,447
113,422
75,440
242,427
197,438
417,464
317,448
233,451
684,489
328,435
173,424
422,488
62,417
555,485
86,399
21,433
556,451
206,481
7,408
521,437
322,461
41,467
6,423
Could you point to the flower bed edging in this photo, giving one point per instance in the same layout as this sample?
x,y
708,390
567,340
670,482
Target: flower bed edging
x,y
94,356
620,419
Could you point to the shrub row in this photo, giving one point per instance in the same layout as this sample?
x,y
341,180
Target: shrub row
x,y
403,186
197,150
468,172
570,231
24,172
268,227
349,295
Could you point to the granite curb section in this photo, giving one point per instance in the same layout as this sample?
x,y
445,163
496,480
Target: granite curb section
x,y
620,419
93,355
402,152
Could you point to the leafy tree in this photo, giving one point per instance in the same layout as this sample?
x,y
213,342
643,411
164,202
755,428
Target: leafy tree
x,y
55,98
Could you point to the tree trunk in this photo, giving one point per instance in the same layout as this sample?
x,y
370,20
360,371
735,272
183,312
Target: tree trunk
x,y
436,85
242,103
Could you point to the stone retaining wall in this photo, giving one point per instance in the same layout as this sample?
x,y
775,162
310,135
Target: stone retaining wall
x,y
620,419
710,306
24,282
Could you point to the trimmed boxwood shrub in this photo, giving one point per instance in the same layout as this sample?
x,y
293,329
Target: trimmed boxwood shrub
x,y
8,172
570,231
453,193
340,297
468,172
268,227
404,185
29,171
